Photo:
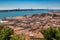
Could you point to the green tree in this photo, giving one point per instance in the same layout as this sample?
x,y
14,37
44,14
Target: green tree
x,y
58,34
51,34
18,37
5,33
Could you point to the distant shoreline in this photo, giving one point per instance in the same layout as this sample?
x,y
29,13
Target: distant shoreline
x,y
21,10
25,10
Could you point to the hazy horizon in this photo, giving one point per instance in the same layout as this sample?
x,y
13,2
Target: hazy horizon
x,y
28,4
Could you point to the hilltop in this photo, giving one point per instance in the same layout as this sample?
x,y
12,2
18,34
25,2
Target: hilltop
x,y
32,23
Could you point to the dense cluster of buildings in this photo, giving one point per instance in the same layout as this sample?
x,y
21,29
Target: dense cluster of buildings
x,y
32,25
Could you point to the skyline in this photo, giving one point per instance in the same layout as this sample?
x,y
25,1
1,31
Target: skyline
x,y
28,4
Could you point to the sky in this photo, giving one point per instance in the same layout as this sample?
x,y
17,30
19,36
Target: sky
x,y
28,4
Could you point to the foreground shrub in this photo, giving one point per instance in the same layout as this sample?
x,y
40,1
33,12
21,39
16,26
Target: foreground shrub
x,y
18,37
52,34
5,34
